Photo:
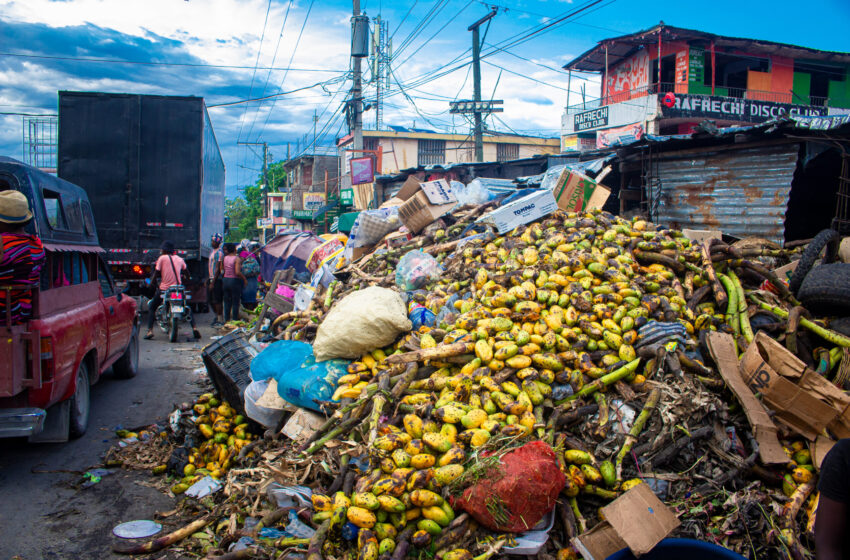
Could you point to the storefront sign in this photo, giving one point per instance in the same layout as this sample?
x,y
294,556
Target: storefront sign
x,y
361,170
346,196
264,222
591,119
313,200
620,135
734,109
302,214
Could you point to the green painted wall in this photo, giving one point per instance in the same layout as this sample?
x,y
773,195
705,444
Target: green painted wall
x,y
839,92
802,87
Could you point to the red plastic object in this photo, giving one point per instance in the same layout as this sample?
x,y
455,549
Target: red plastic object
x,y
669,99
520,491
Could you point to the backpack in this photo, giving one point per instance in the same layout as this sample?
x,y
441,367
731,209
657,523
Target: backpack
x,y
250,267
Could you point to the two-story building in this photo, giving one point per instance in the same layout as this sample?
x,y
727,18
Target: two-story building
x,y
666,80
311,180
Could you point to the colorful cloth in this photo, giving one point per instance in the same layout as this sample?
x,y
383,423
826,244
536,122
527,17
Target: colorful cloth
x,y
215,257
21,263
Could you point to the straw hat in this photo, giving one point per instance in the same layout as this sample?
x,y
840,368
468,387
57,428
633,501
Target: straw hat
x,y
14,208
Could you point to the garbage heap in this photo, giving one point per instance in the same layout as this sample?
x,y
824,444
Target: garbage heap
x,y
570,366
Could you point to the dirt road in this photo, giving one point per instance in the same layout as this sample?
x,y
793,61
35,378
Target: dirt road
x,y
46,515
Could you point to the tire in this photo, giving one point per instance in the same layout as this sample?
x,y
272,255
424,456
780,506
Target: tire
x,y
172,332
826,290
828,239
127,365
80,403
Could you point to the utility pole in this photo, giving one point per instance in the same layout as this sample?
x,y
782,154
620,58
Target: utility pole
x,y
476,82
357,89
380,66
315,122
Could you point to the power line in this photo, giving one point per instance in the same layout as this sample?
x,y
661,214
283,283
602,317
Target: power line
x,y
404,18
441,30
285,74
254,74
524,76
272,96
274,58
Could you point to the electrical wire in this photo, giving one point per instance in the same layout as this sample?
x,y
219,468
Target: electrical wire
x,y
403,19
254,74
439,31
286,73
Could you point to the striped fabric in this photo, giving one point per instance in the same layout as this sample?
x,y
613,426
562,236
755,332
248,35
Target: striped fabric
x,y
20,265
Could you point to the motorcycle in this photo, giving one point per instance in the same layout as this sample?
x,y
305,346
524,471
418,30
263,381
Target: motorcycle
x,y
174,309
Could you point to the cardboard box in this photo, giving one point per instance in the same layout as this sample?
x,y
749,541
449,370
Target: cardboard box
x,y
803,400
722,349
575,192
424,202
521,211
397,239
702,235
302,424
637,520
786,271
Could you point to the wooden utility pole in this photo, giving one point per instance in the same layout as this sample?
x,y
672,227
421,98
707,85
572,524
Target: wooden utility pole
x,y
476,83
357,92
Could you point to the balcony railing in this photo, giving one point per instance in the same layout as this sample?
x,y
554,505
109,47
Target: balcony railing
x,y
664,87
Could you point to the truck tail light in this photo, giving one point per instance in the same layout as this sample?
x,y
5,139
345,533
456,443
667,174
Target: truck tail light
x,y
47,358
137,269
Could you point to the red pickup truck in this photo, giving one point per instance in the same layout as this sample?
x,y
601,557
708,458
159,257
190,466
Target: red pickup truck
x,y
80,326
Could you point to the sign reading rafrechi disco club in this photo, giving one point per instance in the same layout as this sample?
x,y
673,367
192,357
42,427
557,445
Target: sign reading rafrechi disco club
x,y
734,109
588,120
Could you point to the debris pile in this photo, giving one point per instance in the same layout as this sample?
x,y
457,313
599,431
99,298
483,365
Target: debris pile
x,y
588,344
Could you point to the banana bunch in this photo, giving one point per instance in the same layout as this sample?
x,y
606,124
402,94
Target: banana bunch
x,y
225,433
362,371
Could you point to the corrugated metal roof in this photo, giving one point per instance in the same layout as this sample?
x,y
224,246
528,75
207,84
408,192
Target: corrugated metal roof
x,y
741,192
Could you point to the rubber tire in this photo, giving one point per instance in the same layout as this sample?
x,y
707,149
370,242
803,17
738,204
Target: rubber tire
x,y
828,238
127,366
80,404
826,289
172,332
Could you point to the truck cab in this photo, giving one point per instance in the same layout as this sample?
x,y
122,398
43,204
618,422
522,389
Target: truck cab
x,y
80,324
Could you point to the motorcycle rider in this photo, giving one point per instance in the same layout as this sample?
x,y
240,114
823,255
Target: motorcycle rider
x,y
170,268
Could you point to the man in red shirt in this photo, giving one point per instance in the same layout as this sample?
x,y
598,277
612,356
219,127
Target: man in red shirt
x,y
169,267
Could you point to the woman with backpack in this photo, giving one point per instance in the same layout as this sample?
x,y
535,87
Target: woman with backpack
x,y
251,271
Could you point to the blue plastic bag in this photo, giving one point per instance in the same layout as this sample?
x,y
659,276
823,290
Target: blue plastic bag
x,y
300,380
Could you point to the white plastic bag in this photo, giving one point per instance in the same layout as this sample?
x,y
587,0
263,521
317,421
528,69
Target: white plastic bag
x,y
360,322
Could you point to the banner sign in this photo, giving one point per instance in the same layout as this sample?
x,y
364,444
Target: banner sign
x,y
361,170
346,196
313,200
302,214
734,109
591,119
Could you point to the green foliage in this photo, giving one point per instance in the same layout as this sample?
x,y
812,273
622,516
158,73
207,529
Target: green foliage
x,y
244,210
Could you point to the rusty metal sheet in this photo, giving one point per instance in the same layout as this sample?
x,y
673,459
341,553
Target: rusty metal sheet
x,y
740,192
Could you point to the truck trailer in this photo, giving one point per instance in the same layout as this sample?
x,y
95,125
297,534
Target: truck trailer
x,y
153,172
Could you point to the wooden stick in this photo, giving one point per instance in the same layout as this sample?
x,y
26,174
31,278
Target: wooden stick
x,y
637,428
164,541
314,550
708,267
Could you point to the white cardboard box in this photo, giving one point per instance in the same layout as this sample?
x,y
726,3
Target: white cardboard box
x,y
519,212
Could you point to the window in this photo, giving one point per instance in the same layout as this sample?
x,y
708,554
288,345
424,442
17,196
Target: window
x,y
307,175
104,279
507,152
53,209
432,152
370,143
732,71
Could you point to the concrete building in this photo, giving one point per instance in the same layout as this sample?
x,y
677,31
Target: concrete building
x,y
666,80
311,180
403,148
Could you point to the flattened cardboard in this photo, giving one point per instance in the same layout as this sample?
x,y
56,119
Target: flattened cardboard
x,y
521,211
722,349
820,448
784,272
575,192
410,187
637,519
768,367
302,424
391,202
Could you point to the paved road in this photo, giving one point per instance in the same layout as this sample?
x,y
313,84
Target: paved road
x,y
44,515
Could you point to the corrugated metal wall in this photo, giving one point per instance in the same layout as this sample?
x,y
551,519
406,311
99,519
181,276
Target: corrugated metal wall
x,y
741,192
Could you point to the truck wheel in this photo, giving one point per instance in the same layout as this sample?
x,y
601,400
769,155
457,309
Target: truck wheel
x,y
828,239
826,289
80,403
172,332
127,365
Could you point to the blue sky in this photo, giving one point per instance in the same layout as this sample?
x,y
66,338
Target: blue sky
x,y
210,48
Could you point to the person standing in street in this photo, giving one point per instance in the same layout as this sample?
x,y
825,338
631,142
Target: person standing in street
x,y
21,257
251,271
215,284
170,268
230,269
